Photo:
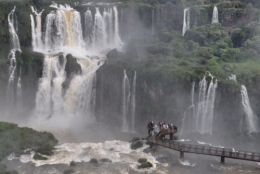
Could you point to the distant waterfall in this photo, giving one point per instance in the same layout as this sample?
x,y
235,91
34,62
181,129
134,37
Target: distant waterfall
x,y
128,104
125,101
204,115
13,27
232,77
215,15
186,21
189,114
250,118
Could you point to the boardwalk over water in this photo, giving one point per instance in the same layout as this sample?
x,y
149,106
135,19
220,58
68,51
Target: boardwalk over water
x,y
205,150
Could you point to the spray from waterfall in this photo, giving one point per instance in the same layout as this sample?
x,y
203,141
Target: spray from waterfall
x,y
215,15
186,21
250,118
204,115
13,28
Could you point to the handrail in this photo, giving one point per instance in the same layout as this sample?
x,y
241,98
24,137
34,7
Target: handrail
x,y
206,150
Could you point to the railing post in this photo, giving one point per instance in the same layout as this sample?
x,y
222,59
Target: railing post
x,y
222,159
171,136
181,154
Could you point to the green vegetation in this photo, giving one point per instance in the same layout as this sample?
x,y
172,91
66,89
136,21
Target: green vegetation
x,y
17,140
68,171
39,157
136,145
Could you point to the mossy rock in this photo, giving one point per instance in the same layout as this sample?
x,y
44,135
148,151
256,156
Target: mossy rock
x,y
142,160
93,160
145,165
72,163
69,171
136,145
39,157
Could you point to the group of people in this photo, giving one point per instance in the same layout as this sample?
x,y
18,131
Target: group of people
x,y
154,129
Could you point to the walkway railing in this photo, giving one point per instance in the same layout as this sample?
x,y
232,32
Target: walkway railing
x,y
206,150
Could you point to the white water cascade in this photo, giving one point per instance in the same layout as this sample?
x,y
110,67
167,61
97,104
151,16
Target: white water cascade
x,y
37,43
232,77
63,35
133,103
186,21
19,90
189,115
13,28
103,33
126,94
215,15
128,103
204,115
250,118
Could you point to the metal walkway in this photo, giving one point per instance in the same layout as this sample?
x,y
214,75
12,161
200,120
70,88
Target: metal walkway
x,y
205,150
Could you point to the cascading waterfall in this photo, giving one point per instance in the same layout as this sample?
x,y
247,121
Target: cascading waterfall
x,y
250,118
19,90
63,34
128,104
36,29
189,114
125,101
232,77
88,27
204,115
186,21
215,15
62,29
133,104
13,27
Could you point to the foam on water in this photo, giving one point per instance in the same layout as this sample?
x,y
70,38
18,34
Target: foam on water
x,y
117,151
187,163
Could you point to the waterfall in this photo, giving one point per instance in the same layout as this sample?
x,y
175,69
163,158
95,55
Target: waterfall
x,y
250,118
204,115
99,32
62,29
19,90
133,103
117,39
189,114
88,27
125,101
186,21
36,29
13,28
215,15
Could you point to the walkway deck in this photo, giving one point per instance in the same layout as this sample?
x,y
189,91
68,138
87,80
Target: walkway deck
x,y
205,150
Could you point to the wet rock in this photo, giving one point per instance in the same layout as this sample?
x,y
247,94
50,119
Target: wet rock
x,y
72,67
114,55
